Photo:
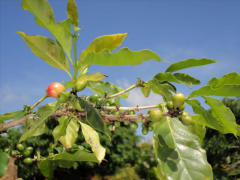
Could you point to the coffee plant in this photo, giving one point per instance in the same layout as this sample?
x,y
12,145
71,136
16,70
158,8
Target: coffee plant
x,y
177,136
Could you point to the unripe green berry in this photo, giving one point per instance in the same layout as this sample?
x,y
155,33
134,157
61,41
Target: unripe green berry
x,y
134,125
178,100
155,115
27,161
20,147
169,105
117,124
144,131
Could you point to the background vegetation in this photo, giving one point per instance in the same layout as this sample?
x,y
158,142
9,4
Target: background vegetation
x,y
128,158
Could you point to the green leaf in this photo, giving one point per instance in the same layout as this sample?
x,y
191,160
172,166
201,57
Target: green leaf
x,y
76,155
205,118
65,164
48,50
72,12
36,126
92,138
181,78
161,89
223,114
146,89
68,84
91,77
85,71
44,17
11,115
66,24
159,172
179,152
226,90
3,163
71,135
238,130
231,78
93,116
102,88
60,130
122,57
189,63
19,114
47,168
199,130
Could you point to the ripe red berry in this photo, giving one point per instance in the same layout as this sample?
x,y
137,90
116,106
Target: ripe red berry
x,y
55,88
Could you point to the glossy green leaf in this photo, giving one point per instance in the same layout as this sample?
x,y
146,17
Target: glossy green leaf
x,y
226,90
48,50
35,126
47,168
146,89
68,84
65,164
72,12
44,16
179,152
92,138
223,114
11,115
231,78
91,77
4,158
102,88
76,155
60,130
160,173
66,24
161,89
205,118
71,135
198,129
122,57
93,116
189,63
181,78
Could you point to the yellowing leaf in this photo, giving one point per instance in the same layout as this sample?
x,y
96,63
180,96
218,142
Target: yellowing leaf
x,y
44,17
110,42
48,50
71,134
72,12
91,77
92,138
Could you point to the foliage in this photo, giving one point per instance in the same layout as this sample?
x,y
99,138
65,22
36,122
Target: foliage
x,y
177,136
223,150
118,158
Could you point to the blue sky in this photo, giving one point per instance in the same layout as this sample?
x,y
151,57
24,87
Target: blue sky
x,y
176,30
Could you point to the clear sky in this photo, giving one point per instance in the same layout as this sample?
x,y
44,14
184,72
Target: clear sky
x,y
176,30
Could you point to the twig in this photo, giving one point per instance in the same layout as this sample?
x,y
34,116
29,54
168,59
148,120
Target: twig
x,y
136,108
138,84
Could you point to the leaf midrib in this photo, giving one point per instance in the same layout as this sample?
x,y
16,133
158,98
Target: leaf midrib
x,y
168,121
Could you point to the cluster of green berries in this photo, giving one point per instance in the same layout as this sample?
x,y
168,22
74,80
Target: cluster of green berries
x,y
178,104
149,126
117,123
25,153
